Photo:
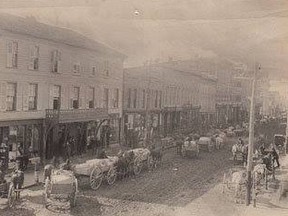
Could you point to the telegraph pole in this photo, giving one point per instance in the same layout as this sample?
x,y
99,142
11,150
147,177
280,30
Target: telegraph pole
x,y
251,139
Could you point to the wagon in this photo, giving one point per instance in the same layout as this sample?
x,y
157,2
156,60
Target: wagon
x,y
142,156
234,182
97,170
61,190
206,143
190,148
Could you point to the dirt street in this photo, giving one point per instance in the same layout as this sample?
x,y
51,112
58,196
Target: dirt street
x,y
175,184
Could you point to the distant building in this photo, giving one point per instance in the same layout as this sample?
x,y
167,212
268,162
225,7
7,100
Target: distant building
x,y
56,84
165,98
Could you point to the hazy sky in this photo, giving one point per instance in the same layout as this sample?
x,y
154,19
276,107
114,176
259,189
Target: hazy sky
x,y
242,30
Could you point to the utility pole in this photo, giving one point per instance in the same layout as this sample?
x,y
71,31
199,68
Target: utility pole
x,y
251,139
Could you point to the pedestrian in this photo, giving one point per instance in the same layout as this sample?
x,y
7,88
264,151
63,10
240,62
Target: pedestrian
x,y
275,157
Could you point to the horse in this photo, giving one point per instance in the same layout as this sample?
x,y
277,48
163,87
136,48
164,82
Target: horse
x,y
124,165
17,180
156,154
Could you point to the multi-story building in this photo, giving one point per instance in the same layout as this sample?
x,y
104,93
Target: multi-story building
x,y
56,84
166,97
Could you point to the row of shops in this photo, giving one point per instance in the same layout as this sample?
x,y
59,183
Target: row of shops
x,y
48,137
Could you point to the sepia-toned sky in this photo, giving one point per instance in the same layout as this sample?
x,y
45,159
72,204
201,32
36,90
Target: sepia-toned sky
x,y
242,30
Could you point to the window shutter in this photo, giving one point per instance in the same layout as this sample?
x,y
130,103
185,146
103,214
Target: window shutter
x,y
9,54
51,96
25,96
3,87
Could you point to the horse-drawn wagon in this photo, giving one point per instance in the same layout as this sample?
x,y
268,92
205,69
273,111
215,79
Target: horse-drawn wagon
x,y
190,147
97,170
142,157
61,189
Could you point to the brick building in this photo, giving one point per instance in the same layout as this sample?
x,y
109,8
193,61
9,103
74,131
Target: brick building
x,y
56,84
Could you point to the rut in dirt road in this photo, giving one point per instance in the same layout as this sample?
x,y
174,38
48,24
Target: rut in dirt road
x,y
177,182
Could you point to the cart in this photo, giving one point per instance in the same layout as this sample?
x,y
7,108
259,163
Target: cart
x,y
190,148
98,170
142,156
61,190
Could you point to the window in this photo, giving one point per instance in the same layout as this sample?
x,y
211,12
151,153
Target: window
x,y
135,98
94,70
91,96
34,58
56,97
76,68
56,58
143,98
12,54
116,98
75,99
106,97
156,98
106,68
33,88
129,98
160,99
11,96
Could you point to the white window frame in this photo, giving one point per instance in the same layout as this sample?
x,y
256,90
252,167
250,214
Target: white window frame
x,y
34,58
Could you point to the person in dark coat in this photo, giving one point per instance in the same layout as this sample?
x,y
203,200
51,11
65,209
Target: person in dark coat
x,y
275,157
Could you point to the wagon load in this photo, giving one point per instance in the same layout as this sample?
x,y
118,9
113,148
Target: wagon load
x,y
87,167
97,170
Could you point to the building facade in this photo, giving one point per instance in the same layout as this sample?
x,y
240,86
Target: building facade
x,y
56,85
163,98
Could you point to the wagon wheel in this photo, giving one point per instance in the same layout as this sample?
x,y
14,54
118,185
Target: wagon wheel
x,y
111,176
11,195
150,162
137,166
47,191
96,178
73,195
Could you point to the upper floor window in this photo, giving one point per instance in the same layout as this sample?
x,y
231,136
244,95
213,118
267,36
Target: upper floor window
x,y
12,54
116,98
56,97
156,98
75,99
129,98
106,68
11,96
91,96
135,98
33,89
76,68
34,58
94,70
143,98
106,97
56,58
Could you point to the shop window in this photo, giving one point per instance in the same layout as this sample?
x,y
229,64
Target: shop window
x,y
33,88
11,96
34,58
12,54
75,99
56,97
